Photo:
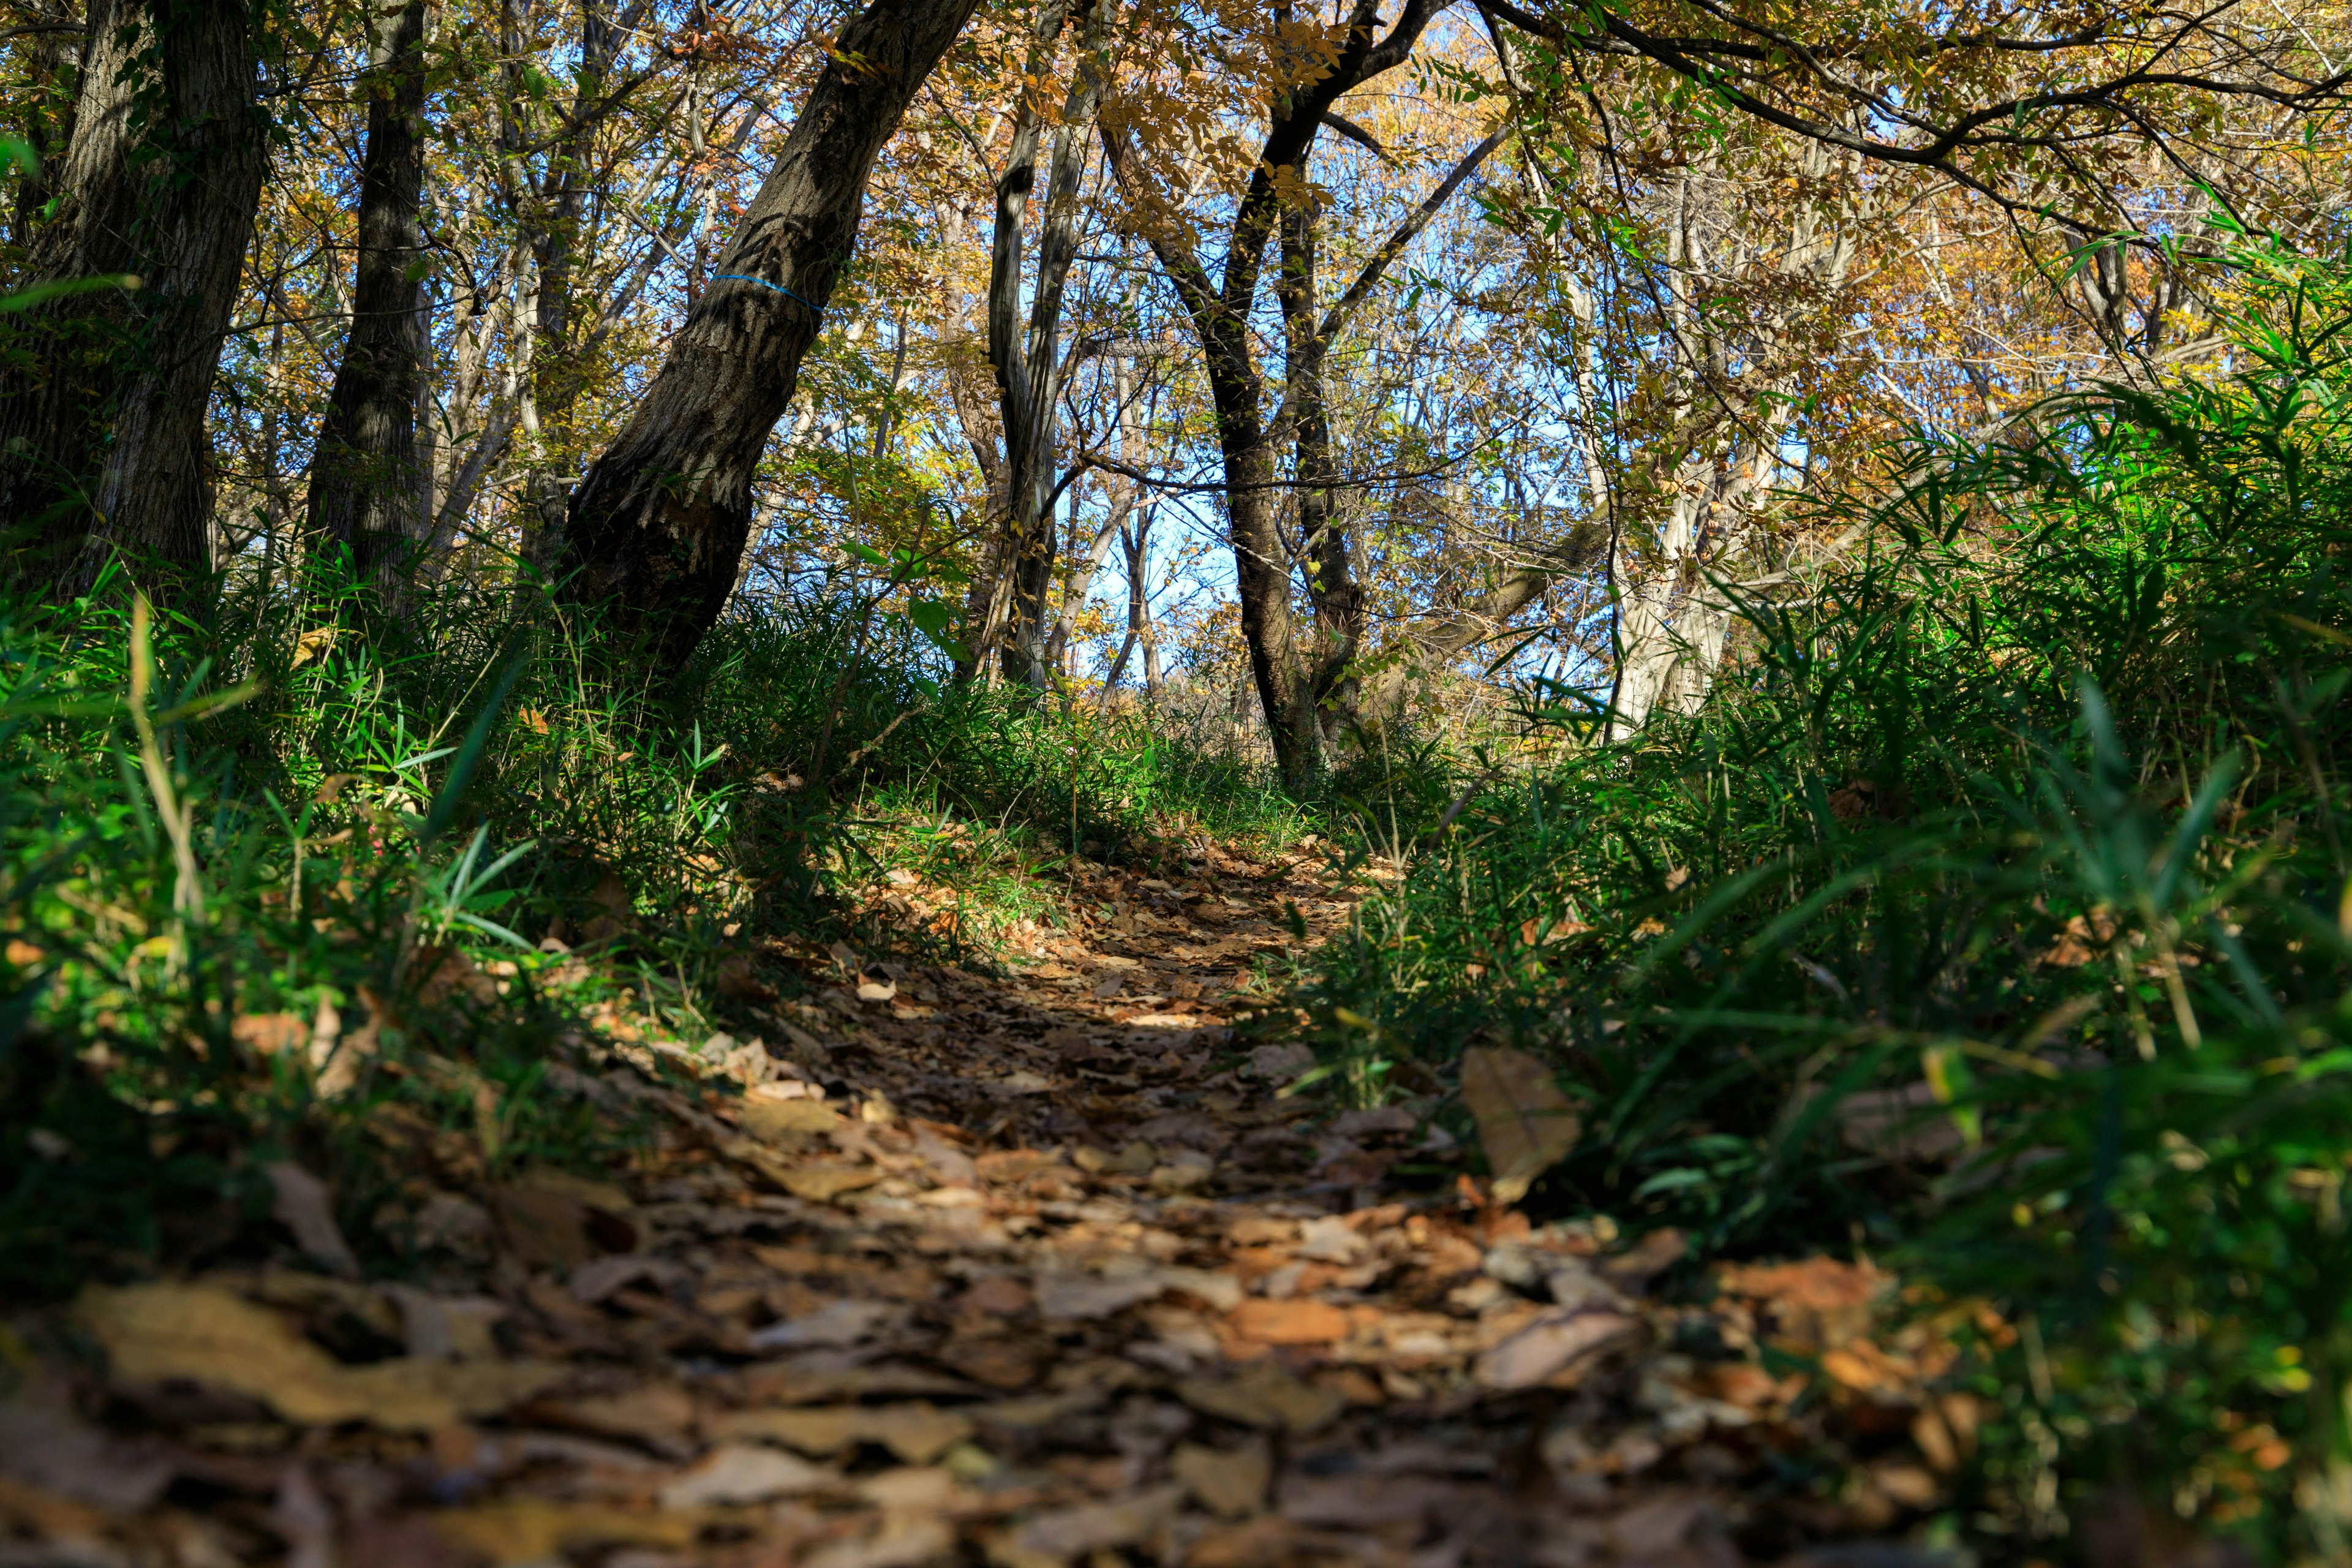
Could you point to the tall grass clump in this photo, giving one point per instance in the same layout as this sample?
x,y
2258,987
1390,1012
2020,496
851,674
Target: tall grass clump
x,y
1993,911
304,884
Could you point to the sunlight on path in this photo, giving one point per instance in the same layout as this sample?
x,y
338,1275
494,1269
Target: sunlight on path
x,y
1051,1275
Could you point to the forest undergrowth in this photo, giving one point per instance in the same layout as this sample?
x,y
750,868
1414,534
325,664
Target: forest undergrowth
x,y
1990,922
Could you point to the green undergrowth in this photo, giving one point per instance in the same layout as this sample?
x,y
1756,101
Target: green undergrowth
x,y
299,884
1994,916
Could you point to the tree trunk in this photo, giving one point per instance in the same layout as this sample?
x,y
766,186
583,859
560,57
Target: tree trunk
x,y
367,487
1220,316
1028,364
102,412
656,526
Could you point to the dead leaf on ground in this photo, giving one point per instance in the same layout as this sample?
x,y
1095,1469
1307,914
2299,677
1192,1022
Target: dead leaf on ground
x,y
1301,1320
45,1443
822,1181
917,1431
836,1324
1051,1539
307,1209
791,1124
738,1473
1263,1395
1550,1344
536,1529
163,1334
660,1416
1229,1482
1525,1124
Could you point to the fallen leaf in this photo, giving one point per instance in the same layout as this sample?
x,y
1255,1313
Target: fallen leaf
x,y
535,1529
1070,1298
836,1324
742,1473
1547,1346
1006,1365
791,1124
1003,1167
916,1430
905,1541
599,1279
822,1181
1229,1482
304,1208
1302,1320
1330,1239
1263,1395
1525,1123
161,1333
46,1444
660,1416
1051,1540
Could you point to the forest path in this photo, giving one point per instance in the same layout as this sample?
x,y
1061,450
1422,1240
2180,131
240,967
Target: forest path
x,y
1052,1276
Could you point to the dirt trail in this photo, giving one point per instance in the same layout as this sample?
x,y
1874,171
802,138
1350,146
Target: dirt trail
x,y
1051,1274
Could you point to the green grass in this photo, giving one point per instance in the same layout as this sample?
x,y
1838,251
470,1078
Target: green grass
x,y
2032,807
234,859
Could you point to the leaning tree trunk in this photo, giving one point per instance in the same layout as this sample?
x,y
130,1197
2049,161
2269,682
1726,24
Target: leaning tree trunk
x,y
103,406
367,488
658,524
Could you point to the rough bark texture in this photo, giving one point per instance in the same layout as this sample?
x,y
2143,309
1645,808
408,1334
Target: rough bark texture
x,y
367,488
1291,684
658,524
1028,365
103,414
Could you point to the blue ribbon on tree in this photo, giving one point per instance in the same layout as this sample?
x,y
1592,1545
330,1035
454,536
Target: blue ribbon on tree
x,y
746,278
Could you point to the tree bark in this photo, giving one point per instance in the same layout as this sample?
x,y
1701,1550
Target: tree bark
x,y
367,487
102,411
1028,365
1291,687
657,526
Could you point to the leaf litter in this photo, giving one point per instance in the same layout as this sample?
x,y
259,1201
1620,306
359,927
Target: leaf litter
x,y
1038,1271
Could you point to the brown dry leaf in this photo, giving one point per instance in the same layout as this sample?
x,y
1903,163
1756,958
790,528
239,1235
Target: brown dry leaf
x,y
304,1208
836,1324
822,1181
905,1541
1072,1298
1263,1395
1229,1482
1815,1303
1051,1539
736,1473
1550,1344
162,1333
917,1431
1302,1320
1007,1365
1003,1167
1525,1124
535,1529
45,1443
659,1414
791,1125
